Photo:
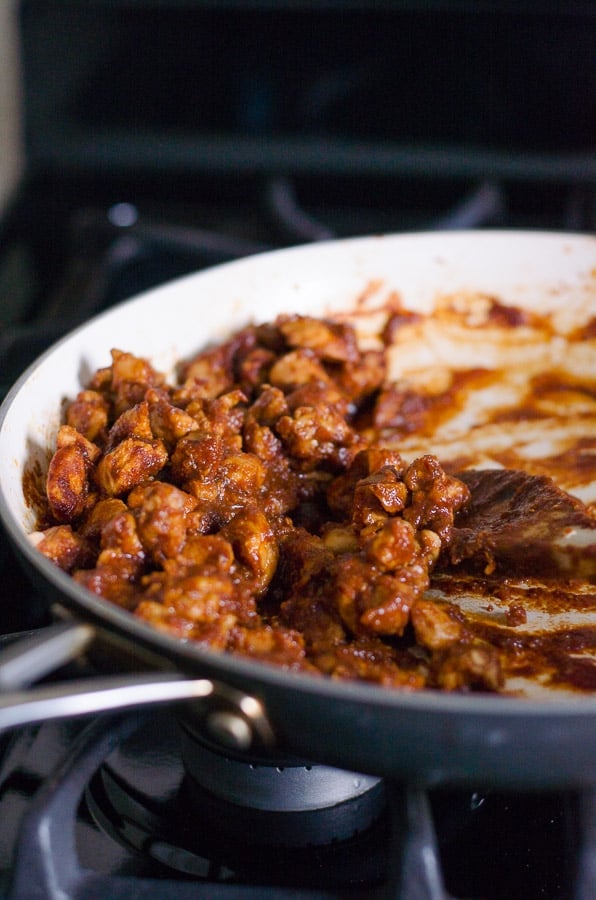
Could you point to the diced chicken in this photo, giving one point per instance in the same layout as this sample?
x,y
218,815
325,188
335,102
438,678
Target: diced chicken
x,y
89,414
67,483
130,463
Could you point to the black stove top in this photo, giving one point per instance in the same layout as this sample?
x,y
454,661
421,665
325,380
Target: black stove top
x,y
108,810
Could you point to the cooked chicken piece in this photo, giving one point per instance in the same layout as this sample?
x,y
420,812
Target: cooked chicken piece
x,y
89,414
66,548
436,496
168,422
99,516
331,341
463,666
253,369
381,494
210,552
397,544
434,627
280,646
132,423
190,621
361,380
131,462
121,546
220,417
161,513
67,483
340,493
314,435
255,546
229,486
212,373
295,368
130,379
119,564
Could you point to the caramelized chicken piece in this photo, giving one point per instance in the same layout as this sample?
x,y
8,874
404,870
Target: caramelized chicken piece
x,y
131,462
371,461
220,417
279,646
211,552
67,483
212,373
225,480
89,414
253,369
196,457
373,601
161,514
295,368
468,666
209,376
314,435
132,423
377,496
168,422
397,544
255,546
100,515
121,546
369,658
130,379
436,496
281,490
317,394
434,627
269,406
213,632
66,548
119,564
201,601
331,341
361,380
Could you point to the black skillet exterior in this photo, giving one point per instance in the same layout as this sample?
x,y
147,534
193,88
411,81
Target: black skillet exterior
x,y
424,738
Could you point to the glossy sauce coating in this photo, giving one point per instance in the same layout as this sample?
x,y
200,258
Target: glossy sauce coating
x,y
308,501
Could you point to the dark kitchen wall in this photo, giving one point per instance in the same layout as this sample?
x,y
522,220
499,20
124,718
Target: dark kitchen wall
x,y
184,85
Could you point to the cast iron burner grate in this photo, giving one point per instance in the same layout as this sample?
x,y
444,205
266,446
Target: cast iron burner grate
x,y
122,785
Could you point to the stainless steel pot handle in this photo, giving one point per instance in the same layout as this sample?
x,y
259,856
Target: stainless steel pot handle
x,y
96,695
27,657
228,716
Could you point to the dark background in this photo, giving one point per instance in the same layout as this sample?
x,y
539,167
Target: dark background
x,y
441,90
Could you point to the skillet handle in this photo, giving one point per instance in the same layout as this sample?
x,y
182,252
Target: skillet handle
x,y
231,718
29,656
96,695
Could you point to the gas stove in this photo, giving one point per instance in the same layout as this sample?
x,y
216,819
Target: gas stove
x,y
177,136
112,809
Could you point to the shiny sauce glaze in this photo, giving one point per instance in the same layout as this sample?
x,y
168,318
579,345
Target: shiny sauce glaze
x,y
411,504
